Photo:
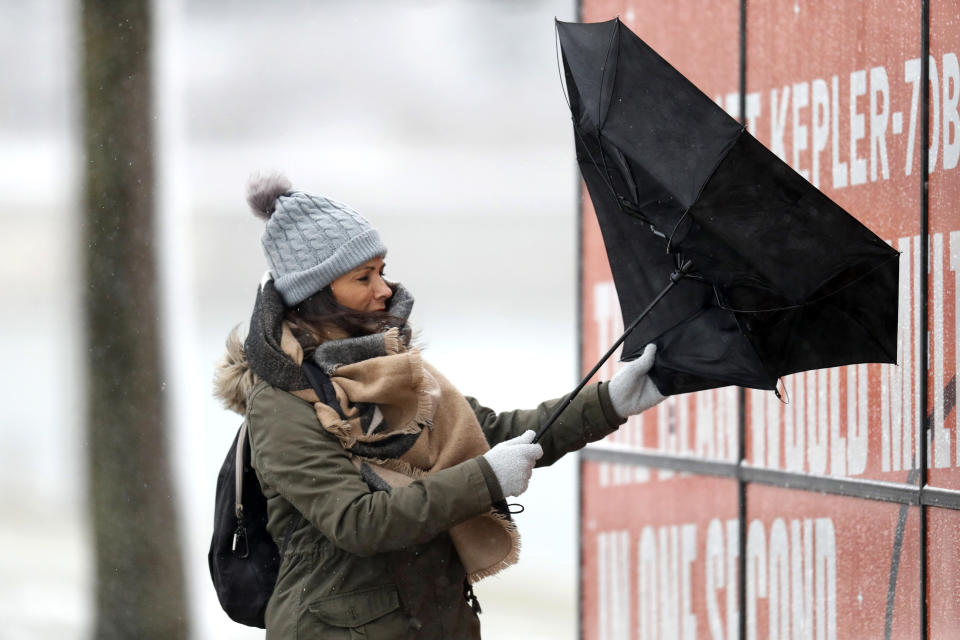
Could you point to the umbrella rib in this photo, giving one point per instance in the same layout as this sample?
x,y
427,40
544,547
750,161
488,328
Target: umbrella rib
x,y
556,52
601,116
753,347
807,302
602,172
866,333
603,73
576,125
716,167
675,227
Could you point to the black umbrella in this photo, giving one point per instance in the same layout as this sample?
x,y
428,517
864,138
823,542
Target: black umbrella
x,y
770,276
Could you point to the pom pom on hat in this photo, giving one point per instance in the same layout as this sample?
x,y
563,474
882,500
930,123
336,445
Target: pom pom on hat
x,y
263,191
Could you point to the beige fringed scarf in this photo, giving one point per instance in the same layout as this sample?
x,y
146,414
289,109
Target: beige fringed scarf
x,y
412,397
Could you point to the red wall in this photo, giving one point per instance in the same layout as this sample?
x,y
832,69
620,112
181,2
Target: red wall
x,y
835,90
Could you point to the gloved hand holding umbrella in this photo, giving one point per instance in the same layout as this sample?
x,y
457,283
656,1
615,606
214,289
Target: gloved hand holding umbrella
x,y
512,462
632,391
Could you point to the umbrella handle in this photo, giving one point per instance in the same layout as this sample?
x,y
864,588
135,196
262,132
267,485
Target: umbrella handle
x,y
675,277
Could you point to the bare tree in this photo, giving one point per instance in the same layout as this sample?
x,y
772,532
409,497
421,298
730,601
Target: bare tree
x,y
139,574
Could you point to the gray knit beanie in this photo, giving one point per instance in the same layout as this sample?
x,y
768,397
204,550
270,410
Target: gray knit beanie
x,y
309,240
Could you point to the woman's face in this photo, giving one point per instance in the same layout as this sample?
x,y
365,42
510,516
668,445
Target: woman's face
x,y
364,288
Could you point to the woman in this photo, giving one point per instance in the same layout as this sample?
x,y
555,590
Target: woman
x,y
389,500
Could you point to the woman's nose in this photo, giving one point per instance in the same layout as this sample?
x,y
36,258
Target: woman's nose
x,y
383,291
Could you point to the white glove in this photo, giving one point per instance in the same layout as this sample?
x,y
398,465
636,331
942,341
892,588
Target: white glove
x,y
631,389
512,462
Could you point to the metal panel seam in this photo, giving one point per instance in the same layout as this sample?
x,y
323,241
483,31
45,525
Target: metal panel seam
x,y
924,291
742,395
850,487
578,633
936,497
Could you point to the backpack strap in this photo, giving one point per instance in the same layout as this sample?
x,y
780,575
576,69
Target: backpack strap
x,y
238,474
238,506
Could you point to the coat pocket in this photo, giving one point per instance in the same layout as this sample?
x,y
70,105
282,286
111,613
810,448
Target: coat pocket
x,y
367,613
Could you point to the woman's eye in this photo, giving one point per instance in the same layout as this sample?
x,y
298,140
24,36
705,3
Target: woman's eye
x,y
363,278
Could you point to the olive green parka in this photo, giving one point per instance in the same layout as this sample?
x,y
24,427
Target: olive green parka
x,y
380,564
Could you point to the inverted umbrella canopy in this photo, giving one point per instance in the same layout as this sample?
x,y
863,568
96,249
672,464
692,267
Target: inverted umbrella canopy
x,y
782,278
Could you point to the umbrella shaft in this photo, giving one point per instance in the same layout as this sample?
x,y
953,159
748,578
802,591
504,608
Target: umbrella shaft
x,y
674,279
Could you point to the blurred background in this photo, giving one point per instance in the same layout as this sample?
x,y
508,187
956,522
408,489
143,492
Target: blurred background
x,y
443,122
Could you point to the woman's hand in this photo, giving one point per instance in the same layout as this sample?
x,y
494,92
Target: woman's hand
x,y
631,389
512,462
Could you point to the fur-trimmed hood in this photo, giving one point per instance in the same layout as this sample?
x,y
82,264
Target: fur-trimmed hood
x,y
232,378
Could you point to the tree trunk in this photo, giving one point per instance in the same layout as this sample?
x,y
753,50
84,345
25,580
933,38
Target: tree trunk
x,y
138,568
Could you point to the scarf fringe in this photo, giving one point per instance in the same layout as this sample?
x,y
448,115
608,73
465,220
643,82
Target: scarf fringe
x,y
509,560
342,431
391,341
397,465
428,393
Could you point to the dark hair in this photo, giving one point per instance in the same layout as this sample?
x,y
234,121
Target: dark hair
x,y
320,316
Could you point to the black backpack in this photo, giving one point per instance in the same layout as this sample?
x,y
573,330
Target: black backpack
x,y
243,558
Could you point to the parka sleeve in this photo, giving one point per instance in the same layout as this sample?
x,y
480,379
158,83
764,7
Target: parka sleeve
x,y
295,456
588,418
